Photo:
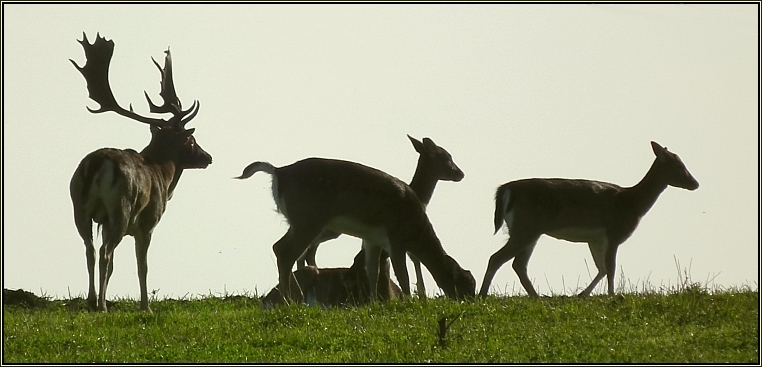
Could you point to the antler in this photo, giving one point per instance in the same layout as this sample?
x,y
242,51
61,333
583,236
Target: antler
x,y
95,72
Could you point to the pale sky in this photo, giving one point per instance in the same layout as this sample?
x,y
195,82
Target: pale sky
x,y
511,91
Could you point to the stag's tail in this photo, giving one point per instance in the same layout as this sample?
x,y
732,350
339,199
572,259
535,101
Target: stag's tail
x,y
502,204
256,167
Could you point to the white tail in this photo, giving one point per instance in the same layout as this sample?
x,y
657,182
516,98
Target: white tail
x,y
124,191
602,214
434,164
346,197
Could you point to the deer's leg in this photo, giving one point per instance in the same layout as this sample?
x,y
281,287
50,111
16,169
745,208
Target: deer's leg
x,y
113,233
85,229
420,287
611,266
598,250
384,277
287,250
309,255
516,244
92,297
106,268
142,241
399,264
372,266
520,267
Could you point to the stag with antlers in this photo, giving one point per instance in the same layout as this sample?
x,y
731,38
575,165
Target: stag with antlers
x,y
124,191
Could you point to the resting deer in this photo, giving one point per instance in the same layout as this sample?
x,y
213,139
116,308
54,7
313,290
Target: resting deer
x,y
434,164
602,214
346,197
335,287
124,191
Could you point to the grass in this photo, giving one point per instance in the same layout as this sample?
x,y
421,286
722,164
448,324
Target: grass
x,y
687,324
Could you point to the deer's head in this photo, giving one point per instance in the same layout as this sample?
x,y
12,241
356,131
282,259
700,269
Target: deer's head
x,y
437,160
170,140
673,169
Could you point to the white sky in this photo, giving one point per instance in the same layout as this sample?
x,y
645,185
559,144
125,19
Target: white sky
x,y
511,91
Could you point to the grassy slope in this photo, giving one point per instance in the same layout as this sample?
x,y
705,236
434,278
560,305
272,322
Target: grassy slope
x,y
687,326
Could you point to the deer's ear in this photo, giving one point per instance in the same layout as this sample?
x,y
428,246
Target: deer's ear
x,y
188,132
416,144
658,150
429,144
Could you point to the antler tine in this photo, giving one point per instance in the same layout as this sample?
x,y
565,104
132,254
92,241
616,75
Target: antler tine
x,y
196,105
172,103
98,58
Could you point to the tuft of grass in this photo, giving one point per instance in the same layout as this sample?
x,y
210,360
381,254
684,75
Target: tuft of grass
x,y
689,324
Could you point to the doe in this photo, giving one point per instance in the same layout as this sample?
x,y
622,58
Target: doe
x,y
602,214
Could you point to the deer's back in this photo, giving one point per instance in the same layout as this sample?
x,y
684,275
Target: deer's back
x,y
343,188
108,178
557,203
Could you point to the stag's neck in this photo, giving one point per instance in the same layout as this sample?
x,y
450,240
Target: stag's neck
x,y
424,182
164,166
173,184
643,195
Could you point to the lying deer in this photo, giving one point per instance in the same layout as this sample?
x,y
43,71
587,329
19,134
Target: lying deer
x,y
434,164
333,287
315,194
602,214
124,191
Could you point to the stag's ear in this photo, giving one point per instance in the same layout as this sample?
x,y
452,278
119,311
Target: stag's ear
x,y
188,132
416,144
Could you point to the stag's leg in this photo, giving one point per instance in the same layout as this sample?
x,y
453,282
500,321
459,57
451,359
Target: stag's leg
x,y
516,244
106,268
598,250
92,296
142,241
113,233
85,228
287,250
420,287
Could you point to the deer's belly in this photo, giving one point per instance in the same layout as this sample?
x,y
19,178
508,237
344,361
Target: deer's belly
x,y
577,234
374,234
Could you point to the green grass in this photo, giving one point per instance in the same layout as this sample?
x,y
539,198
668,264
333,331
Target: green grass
x,y
688,325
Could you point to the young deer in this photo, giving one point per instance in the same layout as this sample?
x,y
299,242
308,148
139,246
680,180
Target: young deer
x,y
124,191
602,214
434,164
346,197
336,287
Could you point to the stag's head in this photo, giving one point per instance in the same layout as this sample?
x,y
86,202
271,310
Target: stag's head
x,y
169,138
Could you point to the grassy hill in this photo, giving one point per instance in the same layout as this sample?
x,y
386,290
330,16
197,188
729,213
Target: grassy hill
x,y
689,325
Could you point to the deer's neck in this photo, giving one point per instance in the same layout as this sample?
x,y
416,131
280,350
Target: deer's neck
x,y
164,166
423,183
643,195
428,249
175,180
